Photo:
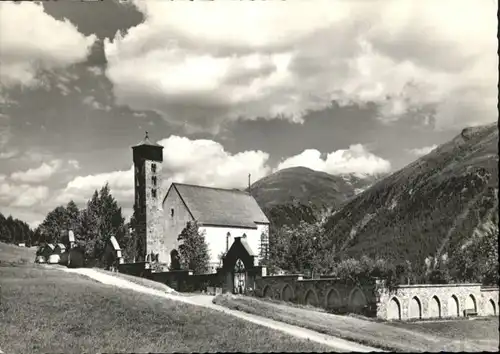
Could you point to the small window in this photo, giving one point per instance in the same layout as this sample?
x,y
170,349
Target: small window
x,y
172,212
153,179
153,193
153,168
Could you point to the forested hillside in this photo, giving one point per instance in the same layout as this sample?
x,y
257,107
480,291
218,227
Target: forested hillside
x,y
15,231
442,208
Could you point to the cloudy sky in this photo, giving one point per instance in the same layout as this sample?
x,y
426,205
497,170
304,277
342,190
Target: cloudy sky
x,y
230,88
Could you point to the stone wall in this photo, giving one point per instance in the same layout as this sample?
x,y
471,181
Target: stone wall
x,y
332,294
186,281
424,301
139,269
155,242
489,302
371,298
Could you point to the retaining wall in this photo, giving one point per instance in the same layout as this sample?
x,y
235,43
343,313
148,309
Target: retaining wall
x,y
425,301
335,295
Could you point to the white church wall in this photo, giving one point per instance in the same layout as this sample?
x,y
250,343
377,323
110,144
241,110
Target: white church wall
x,y
215,236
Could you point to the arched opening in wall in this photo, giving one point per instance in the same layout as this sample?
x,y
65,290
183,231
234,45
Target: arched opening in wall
x,y
287,293
239,277
267,292
333,299
357,299
415,310
435,307
175,263
311,298
491,308
470,303
453,307
394,309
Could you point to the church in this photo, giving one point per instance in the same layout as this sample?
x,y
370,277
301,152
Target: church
x,y
221,214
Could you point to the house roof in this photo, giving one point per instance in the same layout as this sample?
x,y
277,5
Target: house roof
x,y
51,246
220,207
61,246
115,244
71,236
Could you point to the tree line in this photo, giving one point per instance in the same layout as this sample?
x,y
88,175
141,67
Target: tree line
x,y
306,249
92,226
15,231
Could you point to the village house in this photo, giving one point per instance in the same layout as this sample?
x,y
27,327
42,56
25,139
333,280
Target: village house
x,y
222,214
45,252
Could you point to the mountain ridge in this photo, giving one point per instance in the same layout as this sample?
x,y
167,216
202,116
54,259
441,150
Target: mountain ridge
x,y
431,207
293,193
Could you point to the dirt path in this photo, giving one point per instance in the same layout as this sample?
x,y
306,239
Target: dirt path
x,y
337,344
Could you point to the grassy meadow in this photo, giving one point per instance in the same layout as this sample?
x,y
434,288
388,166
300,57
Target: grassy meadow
x,y
46,310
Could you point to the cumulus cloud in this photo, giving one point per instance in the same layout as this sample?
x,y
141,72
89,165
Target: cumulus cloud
x,y
204,63
422,151
81,188
39,174
41,43
92,102
75,164
356,160
206,162
23,195
5,135
203,162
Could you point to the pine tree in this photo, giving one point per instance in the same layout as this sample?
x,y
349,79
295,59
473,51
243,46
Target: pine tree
x,y
54,225
98,222
193,252
72,218
88,233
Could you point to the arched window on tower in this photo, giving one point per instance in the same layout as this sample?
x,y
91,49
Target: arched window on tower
x,y
153,193
153,168
153,180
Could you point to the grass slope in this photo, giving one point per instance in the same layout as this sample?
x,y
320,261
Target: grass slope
x,y
438,336
14,254
431,207
50,311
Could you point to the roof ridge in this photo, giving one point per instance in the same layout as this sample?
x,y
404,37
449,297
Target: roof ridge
x,y
214,188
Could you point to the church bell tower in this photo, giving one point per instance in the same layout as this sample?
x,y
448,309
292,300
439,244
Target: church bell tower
x,y
148,158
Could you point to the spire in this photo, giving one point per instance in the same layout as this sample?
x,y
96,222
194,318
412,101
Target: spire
x,y
146,141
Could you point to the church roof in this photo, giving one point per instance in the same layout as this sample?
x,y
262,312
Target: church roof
x,y
147,142
221,207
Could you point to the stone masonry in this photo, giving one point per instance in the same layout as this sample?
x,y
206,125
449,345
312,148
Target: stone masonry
x,y
148,158
371,298
437,301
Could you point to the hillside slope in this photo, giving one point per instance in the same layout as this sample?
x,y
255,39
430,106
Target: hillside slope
x,y
299,193
443,203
